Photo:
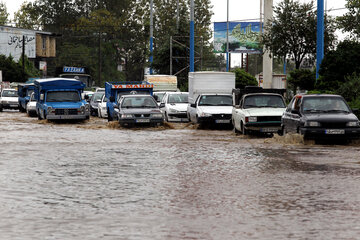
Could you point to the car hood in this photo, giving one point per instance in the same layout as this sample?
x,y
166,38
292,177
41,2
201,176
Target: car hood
x,y
216,109
64,104
181,107
330,117
140,110
255,112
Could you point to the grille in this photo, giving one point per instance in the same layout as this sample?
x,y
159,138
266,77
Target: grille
x,y
333,124
269,119
61,111
222,116
142,115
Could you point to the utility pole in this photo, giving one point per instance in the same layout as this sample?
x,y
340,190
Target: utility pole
x,y
320,36
192,36
23,54
99,58
151,35
227,37
267,60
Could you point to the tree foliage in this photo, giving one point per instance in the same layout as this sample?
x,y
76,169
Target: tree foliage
x,y
4,15
13,71
303,79
292,32
243,79
338,64
27,17
350,21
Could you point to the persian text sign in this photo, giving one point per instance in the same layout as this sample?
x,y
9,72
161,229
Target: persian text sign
x,y
11,42
244,37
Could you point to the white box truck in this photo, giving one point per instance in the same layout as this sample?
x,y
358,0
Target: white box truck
x,y
210,97
162,84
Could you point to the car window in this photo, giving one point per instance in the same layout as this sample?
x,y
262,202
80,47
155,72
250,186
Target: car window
x,y
259,101
324,104
9,93
63,96
297,103
178,98
215,100
139,102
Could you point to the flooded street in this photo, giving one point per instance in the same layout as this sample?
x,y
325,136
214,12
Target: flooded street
x,y
94,180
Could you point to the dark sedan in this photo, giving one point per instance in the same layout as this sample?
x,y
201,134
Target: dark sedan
x,y
139,110
320,116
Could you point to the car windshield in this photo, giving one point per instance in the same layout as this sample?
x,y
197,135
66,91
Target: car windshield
x,y
324,104
139,102
97,96
260,101
178,98
63,96
132,92
9,93
215,100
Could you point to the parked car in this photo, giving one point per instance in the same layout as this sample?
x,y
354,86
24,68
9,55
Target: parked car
x,y
174,106
9,99
159,96
139,110
257,112
100,90
102,111
320,116
31,106
94,101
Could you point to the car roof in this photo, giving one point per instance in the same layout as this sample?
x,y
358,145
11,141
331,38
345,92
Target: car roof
x,y
317,95
136,95
272,94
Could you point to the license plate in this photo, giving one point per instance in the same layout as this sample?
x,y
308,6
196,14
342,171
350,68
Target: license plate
x,y
13,105
335,131
268,130
222,121
142,120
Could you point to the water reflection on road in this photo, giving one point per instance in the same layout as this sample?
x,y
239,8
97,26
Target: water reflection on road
x,y
94,180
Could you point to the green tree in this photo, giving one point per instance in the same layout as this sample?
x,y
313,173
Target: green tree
x,y
3,14
27,17
303,79
243,79
338,64
350,21
11,71
292,31
350,90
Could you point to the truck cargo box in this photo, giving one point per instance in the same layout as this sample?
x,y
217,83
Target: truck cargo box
x,y
162,83
210,83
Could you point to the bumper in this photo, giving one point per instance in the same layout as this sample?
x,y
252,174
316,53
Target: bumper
x,y
67,117
212,120
134,121
263,127
10,105
322,133
182,117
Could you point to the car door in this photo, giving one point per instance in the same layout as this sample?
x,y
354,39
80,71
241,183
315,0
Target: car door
x,y
192,110
238,115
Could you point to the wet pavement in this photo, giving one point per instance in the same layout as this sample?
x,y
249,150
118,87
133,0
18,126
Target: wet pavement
x,y
94,180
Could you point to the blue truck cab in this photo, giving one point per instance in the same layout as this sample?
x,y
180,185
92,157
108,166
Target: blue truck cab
x,y
24,92
114,90
60,98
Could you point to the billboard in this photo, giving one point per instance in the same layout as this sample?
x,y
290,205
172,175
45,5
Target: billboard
x,y
244,37
11,42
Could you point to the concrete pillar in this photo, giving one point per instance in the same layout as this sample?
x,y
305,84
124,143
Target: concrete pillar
x,y
267,61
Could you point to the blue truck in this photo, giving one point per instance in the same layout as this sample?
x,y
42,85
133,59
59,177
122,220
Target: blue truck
x,y
60,98
24,92
114,90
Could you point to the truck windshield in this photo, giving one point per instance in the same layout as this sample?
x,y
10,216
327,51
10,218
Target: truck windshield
x,y
178,98
215,100
63,96
9,93
139,102
259,101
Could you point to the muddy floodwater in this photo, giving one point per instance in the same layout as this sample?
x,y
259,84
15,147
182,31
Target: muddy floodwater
x,y
94,180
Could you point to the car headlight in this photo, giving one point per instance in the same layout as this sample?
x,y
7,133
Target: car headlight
x,y
157,115
205,115
312,124
126,115
172,110
352,124
50,110
251,119
87,107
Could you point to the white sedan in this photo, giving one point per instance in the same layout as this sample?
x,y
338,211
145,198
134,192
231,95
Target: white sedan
x,y
31,106
102,111
174,105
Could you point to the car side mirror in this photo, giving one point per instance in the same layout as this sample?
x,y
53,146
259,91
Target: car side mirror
x,y
162,105
112,99
86,97
193,105
355,110
42,97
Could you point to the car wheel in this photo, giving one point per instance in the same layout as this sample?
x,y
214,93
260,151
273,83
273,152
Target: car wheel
x,y
99,113
166,117
39,115
1,109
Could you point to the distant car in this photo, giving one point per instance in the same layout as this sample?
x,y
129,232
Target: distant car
x,y
100,90
9,99
174,106
258,112
89,94
94,101
139,110
319,116
31,106
102,111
